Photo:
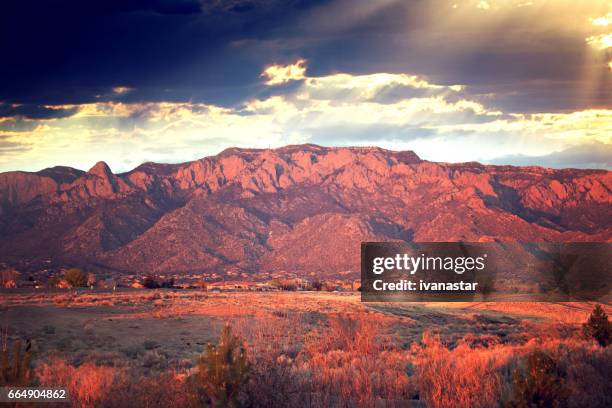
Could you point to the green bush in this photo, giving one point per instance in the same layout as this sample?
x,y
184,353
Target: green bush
x,y
541,384
15,370
75,277
598,327
223,373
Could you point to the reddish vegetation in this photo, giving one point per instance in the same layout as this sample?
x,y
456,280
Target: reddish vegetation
x,y
352,360
143,348
298,208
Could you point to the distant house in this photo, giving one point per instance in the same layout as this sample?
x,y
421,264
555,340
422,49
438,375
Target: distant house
x,y
108,283
264,287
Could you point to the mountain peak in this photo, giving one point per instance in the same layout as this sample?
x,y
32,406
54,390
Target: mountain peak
x,y
101,169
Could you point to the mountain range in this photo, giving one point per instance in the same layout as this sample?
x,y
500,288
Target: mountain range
x,y
302,208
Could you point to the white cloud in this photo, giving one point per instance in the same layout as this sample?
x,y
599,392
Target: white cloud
x,y
601,41
121,90
397,111
602,21
484,5
280,74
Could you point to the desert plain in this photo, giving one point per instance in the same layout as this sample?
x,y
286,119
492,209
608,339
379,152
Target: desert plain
x,y
306,348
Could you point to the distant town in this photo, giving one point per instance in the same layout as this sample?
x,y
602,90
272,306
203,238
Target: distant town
x,y
72,277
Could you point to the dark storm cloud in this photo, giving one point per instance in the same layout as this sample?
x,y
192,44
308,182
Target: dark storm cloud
x,y
35,111
74,51
70,51
589,156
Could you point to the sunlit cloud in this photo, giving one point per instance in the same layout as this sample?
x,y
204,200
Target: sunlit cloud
x,y
602,21
121,90
601,41
484,5
397,111
280,74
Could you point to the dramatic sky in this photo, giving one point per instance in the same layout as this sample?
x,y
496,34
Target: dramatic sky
x,y
498,81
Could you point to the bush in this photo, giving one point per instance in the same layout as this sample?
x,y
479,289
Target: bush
x,y
317,285
153,282
598,327
588,375
223,373
75,278
150,282
149,344
88,385
274,383
53,282
158,391
541,385
458,378
16,370
289,286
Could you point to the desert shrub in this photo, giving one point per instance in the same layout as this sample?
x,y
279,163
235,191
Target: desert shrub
x,y
352,364
132,351
75,277
154,359
274,383
359,333
463,377
598,327
223,372
480,340
589,376
159,391
541,384
149,344
349,378
15,369
278,335
274,343
88,385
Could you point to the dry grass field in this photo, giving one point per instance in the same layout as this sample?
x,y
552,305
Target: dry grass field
x,y
313,349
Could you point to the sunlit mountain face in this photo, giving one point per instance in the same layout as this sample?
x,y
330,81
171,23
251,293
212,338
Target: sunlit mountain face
x,y
505,82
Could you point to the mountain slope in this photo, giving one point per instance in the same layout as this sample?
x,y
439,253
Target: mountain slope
x,y
299,208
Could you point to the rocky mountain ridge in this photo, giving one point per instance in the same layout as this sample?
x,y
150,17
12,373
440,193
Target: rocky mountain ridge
x,y
303,208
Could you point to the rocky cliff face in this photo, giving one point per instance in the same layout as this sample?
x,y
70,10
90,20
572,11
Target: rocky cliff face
x,y
299,208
